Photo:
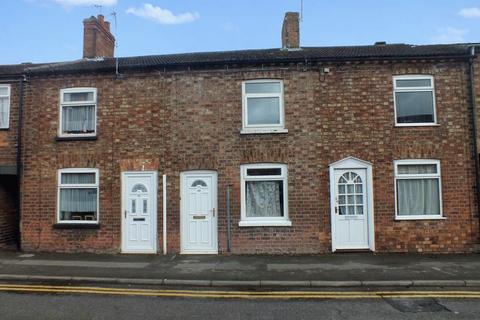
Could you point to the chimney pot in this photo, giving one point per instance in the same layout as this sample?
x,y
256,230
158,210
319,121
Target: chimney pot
x,y
98,41
291,31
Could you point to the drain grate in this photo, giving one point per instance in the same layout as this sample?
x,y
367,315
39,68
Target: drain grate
x,y
416,305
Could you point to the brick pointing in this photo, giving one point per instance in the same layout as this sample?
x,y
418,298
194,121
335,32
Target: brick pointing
x,y
8,184
291,31
177,121
8,212
97,39
8,137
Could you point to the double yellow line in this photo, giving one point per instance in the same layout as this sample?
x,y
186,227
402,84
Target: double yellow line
x,y
240,294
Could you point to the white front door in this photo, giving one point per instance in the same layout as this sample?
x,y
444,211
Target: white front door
x,y
351,209
199,212
139,212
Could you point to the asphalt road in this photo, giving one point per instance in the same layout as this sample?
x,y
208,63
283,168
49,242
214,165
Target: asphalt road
x,y
25,305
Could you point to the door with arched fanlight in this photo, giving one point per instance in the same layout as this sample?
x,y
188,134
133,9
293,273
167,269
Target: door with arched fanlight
x,y
352,205
198,212
139,233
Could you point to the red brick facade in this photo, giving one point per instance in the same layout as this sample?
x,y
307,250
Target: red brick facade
x,y
188,120
8,177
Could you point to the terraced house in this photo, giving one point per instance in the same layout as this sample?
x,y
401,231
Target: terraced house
x,y
287,150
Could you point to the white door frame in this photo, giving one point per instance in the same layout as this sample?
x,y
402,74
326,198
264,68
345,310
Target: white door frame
x,y
353,163
154,174
183,176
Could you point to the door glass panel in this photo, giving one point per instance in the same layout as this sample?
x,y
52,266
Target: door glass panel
x,y
199,183
350,199
139,188
144,205
134,206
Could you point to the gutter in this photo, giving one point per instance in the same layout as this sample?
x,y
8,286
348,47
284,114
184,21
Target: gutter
x,y
474,126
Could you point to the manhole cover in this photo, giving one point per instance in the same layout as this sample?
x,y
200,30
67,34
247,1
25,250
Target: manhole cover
x,y
416,305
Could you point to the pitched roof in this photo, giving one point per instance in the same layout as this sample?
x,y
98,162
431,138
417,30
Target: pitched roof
x,y
15,69
204,59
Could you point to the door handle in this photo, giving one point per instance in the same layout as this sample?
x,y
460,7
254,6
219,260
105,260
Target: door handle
x,y
125,214
213,211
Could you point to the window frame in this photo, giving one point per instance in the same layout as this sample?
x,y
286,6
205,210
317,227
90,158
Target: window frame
x,y
263,221
415,89
61,186
63,103
405,176
9,96
262,128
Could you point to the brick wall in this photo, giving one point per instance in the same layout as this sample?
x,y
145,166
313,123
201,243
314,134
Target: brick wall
x,y
8,137
8,183
8,212
180,121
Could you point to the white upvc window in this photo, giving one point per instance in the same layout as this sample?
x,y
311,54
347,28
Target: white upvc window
x,y
264,195
418,190
262,106
78,196
4,106
78,112
414,99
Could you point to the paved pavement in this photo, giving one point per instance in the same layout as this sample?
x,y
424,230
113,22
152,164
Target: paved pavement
x,y
354,268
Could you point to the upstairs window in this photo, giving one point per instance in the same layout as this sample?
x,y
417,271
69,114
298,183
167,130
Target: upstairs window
x,y
263,110
418,189
4,106
78,114
414,100
264,195
78,196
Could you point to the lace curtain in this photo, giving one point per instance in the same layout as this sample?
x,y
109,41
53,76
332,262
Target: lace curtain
x,y
263,199
78,119
3,112
418,197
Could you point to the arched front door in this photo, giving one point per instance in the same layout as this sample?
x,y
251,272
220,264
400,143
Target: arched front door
x,y
351,205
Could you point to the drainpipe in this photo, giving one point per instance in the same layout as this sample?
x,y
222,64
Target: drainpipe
x,y
474,127
19,154
229,234
164,214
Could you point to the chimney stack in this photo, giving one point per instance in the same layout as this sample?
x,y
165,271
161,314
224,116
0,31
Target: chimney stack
x,y
291,31
97,39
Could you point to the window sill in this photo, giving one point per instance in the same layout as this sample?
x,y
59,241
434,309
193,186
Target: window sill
x,y
263,131
420,218
406,125
4,129
265,223
76,226
74,138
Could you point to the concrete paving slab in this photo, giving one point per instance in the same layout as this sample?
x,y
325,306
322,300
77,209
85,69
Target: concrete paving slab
x,y
387,283
235,283
439,283
317,283
286,283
